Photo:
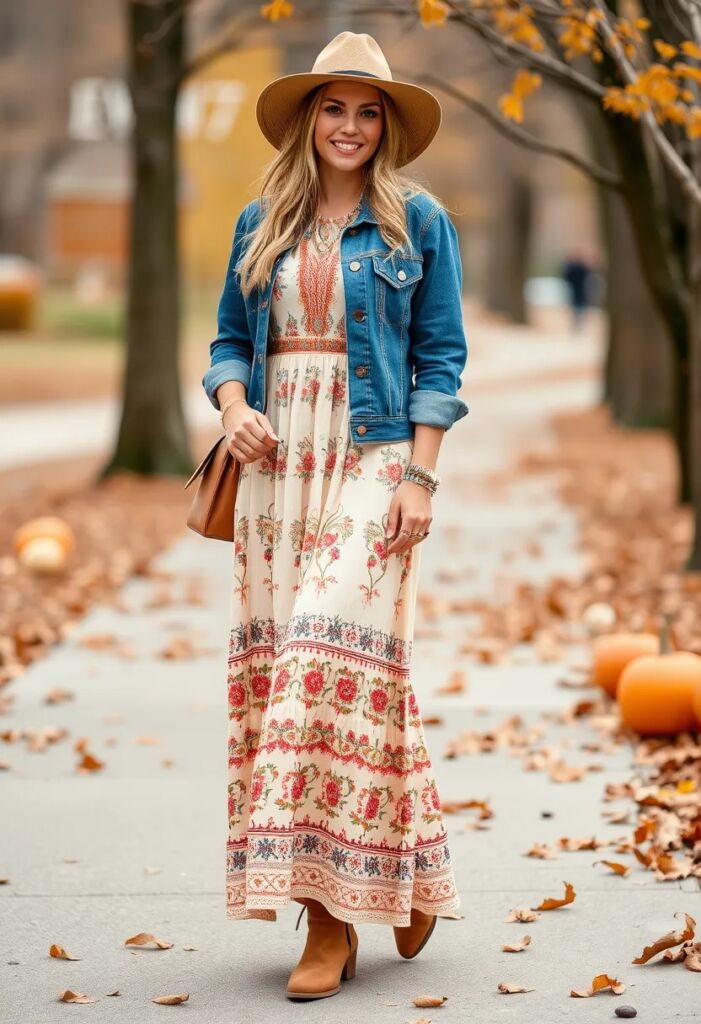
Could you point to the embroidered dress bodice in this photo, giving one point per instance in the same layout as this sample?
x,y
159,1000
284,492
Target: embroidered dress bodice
x,y
307,311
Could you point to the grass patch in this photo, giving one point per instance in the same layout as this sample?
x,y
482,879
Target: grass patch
x,y
62,315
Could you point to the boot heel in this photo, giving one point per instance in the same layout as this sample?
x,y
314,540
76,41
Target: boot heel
x,y
349,966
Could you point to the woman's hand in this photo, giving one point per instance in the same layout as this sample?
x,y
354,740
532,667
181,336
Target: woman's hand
x,y
249,434
409,510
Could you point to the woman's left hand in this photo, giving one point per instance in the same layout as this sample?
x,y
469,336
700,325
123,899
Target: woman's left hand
x,y
409,513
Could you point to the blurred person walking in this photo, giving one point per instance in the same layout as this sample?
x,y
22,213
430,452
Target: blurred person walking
x,y
336,369
578,274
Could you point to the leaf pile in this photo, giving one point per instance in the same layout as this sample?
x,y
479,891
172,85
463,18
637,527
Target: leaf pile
x,y
120,524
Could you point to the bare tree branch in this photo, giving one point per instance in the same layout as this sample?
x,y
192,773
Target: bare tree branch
x,y
520,136
236,34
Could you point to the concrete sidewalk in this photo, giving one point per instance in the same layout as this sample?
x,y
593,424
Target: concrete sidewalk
x,y
79,850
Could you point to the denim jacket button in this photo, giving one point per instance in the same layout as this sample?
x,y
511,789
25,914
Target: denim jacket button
x,y
361,371
358,314
264,303
401,274
362,429
352,231
355,265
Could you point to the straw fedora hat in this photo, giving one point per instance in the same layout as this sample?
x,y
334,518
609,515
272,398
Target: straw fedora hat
x,y
358,56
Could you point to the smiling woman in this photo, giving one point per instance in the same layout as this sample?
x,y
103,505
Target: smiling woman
x,y
336,367
349,132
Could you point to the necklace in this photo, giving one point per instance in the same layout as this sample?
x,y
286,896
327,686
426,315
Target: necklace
x,y
325,231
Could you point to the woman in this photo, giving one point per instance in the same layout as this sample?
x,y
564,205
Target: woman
x,y
344,282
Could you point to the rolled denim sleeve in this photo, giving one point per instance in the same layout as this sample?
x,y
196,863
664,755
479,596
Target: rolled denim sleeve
x,y
437,334
231,352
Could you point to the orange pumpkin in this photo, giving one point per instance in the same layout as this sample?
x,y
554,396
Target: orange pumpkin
x,y
656,693
612,652
43,544
696,702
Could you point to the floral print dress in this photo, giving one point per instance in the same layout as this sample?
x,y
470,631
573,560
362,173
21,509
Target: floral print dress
x,y
330,788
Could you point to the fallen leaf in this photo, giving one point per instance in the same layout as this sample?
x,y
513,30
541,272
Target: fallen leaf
x,y
182,648
579,844
67,996
171,1000
692,960
523,915
600,983
541,851
58,696
146,939
575,684
507,987
563,772
106,642
97,641
617,817
453,806
425,1001
89,763
517,947
619,869
457,683
60,954
553,904
668,940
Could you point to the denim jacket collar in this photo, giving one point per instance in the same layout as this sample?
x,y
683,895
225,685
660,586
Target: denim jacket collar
x,y
365,213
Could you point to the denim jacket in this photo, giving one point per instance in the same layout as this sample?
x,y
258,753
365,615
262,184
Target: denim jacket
x,y
405,338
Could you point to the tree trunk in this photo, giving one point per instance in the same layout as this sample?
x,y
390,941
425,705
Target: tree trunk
x,y
661,267
152,433
639,384
509,248
694,389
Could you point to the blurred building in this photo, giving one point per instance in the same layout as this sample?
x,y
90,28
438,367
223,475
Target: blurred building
x,y
221,153
87,210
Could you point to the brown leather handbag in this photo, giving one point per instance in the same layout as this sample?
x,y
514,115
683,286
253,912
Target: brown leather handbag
x,y
212,510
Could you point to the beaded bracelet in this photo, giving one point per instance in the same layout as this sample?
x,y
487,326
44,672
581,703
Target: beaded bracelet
x,y
422,475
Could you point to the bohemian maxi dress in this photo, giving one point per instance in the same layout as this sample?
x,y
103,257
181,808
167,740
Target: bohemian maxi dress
x,y
331,793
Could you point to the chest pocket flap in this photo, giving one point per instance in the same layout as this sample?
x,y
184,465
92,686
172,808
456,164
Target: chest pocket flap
x,y
400,271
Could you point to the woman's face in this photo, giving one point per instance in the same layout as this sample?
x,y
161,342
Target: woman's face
x,y
350,112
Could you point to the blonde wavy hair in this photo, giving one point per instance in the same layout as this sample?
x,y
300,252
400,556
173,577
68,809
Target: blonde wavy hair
x,y
289,190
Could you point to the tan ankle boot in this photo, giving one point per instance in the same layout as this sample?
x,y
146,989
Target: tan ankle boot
x,y
412,939
329,955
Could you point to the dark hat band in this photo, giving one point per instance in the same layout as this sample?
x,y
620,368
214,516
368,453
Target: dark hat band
x,y
365,74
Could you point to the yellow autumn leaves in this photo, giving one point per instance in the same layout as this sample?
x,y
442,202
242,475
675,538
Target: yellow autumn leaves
x,y
511,103
658,89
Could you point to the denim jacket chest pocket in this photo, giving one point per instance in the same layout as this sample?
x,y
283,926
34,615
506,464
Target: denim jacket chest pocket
x,y
395,282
